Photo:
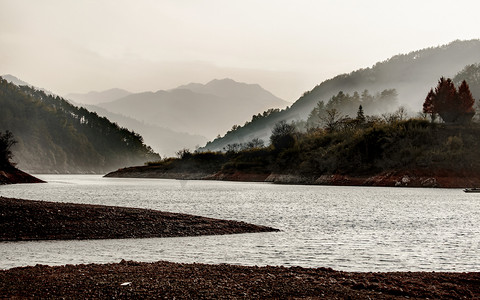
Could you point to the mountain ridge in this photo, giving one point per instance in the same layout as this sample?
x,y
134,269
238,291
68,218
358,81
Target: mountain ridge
x,y
55,136
411,75
96,97
163,140
206,110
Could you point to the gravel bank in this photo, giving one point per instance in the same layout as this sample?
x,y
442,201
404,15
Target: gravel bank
x,y
199,281
41,220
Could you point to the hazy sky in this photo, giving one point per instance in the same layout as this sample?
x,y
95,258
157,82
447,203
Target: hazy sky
x,y
288,47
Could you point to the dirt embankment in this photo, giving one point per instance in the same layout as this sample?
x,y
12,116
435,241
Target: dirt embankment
x,y
167,280
14,175
394,178
40,220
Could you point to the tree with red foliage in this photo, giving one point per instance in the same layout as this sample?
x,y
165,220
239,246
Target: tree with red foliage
x,y
452,106
465,98
428,105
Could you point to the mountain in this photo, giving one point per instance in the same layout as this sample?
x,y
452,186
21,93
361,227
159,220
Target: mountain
x,y
471,74
54,136
12,79
410,75
162,140
206,110
94,97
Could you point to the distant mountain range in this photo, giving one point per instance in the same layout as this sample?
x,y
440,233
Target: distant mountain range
x,y
206,110
411,75
56,137
163,140
183,117
94,97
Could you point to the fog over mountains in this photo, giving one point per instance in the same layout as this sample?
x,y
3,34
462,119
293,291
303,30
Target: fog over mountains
x,y
163,140
206,110
54,136
411,75
190,115
185,117
94,97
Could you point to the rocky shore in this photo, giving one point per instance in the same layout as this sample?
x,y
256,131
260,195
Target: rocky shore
x,y
165,280
394,178
41,220
13,175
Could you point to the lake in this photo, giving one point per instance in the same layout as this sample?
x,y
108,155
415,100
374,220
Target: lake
x,y
345,228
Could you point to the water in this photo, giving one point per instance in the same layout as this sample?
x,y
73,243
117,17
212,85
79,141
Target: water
x,y
345,228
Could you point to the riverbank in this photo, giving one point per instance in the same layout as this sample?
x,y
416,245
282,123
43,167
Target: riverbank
x,y
41,220
394,178
200,281
13,175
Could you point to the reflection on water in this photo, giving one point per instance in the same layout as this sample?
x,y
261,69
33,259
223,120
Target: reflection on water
x,y
346,228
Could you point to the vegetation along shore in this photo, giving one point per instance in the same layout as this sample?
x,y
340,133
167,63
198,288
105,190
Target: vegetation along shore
x,y
436,149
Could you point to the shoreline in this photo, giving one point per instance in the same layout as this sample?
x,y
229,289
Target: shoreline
x,y
129,279
13,175
398,178
24,220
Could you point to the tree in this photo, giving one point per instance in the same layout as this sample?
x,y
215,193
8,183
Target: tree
x,y
283,135
444,100
6,142
332,119
360,115
452,106
466,102
255,143
184,153
428,107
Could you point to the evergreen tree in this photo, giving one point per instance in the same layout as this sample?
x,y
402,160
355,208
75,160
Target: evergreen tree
x,y
452,106
360,115
428,107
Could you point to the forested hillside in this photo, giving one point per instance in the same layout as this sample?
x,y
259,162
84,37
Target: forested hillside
x,y
437,148
54,136
410,75
470,74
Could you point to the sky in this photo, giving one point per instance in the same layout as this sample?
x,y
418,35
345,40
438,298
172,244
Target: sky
x,y
287,47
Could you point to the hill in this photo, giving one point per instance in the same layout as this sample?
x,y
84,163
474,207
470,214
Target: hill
x,y
412,152
410,75
162,140
17,81
471,74
55,136
206,110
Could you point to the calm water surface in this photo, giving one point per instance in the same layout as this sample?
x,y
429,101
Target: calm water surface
x,y
346,228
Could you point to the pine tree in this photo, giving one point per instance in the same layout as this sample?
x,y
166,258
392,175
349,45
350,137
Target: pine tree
x,y
360,115
428,107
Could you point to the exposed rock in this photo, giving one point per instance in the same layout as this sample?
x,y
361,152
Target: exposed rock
x,y
289,179
398,178
238,176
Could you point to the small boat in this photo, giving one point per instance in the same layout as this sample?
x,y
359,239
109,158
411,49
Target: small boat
x,y
472,190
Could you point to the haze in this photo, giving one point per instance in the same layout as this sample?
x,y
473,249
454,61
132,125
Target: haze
x,y
285,46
